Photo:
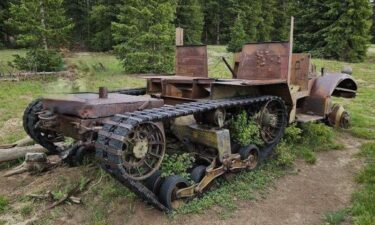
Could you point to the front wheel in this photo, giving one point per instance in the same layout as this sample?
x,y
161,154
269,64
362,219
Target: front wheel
x,y
43,137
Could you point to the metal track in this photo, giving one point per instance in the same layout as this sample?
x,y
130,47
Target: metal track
x,y
110,139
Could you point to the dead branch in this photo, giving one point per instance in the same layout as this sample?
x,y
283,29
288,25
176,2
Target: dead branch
x,y
92,186
48,196
64,198
75,200
69,196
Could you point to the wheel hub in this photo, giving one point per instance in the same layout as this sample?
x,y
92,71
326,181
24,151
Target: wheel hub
x,y
140,148
269,119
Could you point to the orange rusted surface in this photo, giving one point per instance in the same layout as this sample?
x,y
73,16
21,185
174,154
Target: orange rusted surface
x,y
264,61
191,61
336,84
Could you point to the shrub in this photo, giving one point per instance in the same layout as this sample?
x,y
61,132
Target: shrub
x,y
177,164
245,130
318,136
39,60
292,134
285,154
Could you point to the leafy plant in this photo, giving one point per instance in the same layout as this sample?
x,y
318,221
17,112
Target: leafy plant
x,y
39,60
245,130
58,195
285,154
177,164
335,218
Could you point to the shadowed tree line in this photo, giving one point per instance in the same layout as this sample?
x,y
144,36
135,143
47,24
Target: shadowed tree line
x,y
141,32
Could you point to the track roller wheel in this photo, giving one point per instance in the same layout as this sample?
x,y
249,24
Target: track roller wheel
x,y
153,183
198,173
169,187
250,153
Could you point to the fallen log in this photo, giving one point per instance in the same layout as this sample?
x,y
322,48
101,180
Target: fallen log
x,y
6,146
27,141
19,152
8,154
20,143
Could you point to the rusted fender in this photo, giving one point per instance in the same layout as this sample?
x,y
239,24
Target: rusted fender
x,y
334,84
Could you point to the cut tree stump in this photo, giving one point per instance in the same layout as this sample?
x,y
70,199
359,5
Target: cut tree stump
x,y
34,162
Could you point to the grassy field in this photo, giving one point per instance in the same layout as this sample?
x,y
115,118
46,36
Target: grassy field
x,y
14,97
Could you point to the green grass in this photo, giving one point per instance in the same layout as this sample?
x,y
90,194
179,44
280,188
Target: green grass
x,y
7,56
4,203
26,210
363,209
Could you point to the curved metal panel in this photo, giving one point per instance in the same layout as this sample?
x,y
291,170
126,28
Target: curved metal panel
x,y
334,84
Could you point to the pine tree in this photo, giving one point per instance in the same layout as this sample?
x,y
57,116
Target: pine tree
x,y
78,11
40,23
281,25
373,22
218,19
212,21
265,26
145,35
189,15
252,10
3,8
238,36
5,29
348,37
101,17
333,28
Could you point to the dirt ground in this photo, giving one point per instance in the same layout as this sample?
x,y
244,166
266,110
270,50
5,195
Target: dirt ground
x,y
301,197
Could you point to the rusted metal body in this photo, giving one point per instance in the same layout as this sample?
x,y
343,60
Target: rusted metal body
x,y
127,127
77,115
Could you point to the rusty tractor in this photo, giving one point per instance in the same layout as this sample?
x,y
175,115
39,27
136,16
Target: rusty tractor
x,y
128,129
